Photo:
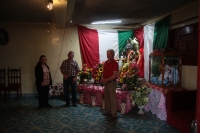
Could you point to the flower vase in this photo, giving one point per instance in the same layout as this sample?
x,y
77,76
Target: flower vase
x,y
103,104
123,108
81,98
93,98
141,109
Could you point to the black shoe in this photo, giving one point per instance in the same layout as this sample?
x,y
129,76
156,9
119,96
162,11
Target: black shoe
x,y
67,105
48,106
112,118
40,107
75,105
106,114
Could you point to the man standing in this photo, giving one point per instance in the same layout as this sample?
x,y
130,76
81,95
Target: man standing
x,y
70,70
110,71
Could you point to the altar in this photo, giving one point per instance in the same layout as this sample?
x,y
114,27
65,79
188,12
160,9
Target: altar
x,y
98,92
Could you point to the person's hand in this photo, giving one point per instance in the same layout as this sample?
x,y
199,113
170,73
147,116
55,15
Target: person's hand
x,y
74,79
65,77
103,81
50,86
42,84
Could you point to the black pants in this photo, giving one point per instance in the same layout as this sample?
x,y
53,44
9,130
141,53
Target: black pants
x,y
67,83
43,92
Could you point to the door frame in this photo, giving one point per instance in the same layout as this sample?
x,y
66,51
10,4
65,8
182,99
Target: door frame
x,y
198,82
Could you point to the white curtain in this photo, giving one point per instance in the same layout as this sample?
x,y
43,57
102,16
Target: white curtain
x,y
148,47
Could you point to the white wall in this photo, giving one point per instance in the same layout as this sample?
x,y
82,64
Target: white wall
x,y
28,41
189,77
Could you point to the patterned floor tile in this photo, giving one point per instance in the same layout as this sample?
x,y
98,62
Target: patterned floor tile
x,y
24,117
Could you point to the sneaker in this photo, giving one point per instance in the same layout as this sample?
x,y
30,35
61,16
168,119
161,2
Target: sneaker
x,y
40,107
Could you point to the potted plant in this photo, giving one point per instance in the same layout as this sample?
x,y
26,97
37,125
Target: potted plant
x,y
140,97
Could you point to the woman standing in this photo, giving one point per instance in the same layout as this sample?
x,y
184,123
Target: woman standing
x,y
43,81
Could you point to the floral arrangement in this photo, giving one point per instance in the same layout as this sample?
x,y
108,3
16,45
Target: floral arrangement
x,y
128,76
97,72
85,74
140,95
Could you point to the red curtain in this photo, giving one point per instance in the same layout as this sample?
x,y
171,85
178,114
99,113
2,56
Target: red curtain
x,y
89,45
138,33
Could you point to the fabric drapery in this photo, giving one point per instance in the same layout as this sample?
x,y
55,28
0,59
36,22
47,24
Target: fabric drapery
x,y
123,36
148,47
88,39
95,43
139,35
161,33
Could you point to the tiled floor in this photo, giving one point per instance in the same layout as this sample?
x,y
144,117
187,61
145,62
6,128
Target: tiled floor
x,y
24,117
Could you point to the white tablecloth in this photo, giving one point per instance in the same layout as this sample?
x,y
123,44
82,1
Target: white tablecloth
x,y
157,104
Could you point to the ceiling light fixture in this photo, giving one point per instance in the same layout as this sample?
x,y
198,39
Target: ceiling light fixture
x,y
106,22
50,4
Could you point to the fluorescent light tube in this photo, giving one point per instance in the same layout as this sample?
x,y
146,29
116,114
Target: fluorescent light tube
x,y
106,22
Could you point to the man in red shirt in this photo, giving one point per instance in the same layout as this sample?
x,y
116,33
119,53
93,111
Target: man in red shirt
x,y
110,71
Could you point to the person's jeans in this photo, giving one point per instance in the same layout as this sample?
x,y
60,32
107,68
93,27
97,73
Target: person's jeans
x,y
67,83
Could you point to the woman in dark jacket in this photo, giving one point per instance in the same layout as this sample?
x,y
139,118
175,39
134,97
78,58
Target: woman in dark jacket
x,y
43,81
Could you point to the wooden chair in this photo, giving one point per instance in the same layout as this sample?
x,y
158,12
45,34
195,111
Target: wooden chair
x,y
2,82
14,82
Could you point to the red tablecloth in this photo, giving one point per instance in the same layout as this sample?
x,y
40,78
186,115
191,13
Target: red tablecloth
x,y
165,90
98,91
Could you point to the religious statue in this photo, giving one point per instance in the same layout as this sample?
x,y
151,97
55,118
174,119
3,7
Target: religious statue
x,y
134,53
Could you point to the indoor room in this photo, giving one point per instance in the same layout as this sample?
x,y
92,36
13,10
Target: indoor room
x,y
155,46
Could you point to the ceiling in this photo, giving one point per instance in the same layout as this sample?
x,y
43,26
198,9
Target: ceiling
x,y
130,12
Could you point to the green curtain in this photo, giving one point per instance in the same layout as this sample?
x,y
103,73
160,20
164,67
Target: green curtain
x,y
123,36
161,33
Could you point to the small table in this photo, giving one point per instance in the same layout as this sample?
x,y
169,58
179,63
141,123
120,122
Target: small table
x,y
157,100
98,91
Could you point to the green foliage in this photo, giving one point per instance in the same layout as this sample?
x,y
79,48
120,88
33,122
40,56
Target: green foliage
x,y
140,95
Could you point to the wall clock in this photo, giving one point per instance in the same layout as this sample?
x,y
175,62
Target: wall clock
x,y
3,37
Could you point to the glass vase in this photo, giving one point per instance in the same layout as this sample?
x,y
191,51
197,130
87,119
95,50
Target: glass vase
x,y
141,109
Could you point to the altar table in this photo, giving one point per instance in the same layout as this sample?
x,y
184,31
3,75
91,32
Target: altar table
x,y
98,91
157,100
